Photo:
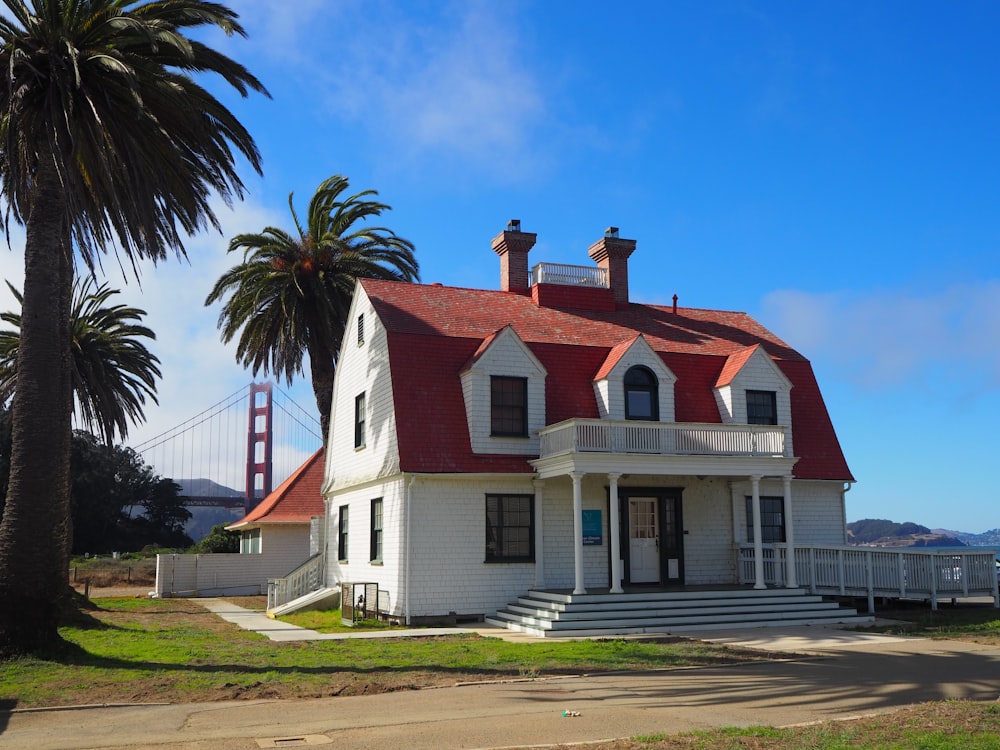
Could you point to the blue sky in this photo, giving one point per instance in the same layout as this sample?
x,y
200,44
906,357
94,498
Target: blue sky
x,y
830,168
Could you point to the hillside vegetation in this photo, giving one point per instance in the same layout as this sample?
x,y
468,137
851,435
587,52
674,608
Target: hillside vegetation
x,y
889,533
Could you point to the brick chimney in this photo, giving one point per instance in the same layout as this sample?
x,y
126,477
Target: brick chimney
x,y
611,253
513,245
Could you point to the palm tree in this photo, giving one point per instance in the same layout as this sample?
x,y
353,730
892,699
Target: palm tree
x,y
292,293
105,140
112,371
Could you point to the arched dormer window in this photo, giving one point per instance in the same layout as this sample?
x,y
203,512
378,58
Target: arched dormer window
x,y
642,400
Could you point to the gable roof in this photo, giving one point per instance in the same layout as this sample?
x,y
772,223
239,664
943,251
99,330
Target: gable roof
x,y
736,362
435,331
296,500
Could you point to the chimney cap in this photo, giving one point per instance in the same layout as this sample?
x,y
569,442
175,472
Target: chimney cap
x,y
611,232
514,225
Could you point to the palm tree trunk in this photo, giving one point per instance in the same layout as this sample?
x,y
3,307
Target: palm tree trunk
x,y
34,543
321,369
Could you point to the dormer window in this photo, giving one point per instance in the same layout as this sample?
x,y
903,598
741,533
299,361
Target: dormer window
x,y
508,406
762,407
641,394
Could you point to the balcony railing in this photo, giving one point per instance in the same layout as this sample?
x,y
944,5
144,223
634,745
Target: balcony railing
x,y
607,436
556,273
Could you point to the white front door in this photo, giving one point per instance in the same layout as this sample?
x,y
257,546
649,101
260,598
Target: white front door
x,y
643,540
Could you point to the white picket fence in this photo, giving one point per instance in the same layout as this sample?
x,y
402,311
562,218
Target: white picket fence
x,y
927,573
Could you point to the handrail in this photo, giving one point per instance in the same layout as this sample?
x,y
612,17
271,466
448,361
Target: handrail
x,y
309,576
843,570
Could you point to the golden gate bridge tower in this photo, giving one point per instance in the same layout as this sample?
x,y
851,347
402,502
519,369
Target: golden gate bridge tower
x,y
259,445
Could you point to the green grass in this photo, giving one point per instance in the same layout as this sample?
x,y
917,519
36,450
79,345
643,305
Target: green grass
x,y
950,725
151,650
968,622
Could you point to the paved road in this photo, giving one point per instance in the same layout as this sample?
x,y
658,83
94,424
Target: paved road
x,y
847,675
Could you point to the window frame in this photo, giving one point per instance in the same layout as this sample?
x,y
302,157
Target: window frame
x,y
509,519
757,415
651,387
343,532
250,541
360,420
771,532
505,411
375,532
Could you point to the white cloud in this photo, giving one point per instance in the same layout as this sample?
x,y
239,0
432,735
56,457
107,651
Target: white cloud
x,y
448,86
880,340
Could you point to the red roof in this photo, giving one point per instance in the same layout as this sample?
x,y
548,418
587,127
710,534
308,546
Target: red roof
x,y
296,500
434,331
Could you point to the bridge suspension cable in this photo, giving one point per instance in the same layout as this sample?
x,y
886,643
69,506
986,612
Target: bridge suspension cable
x,y
211,456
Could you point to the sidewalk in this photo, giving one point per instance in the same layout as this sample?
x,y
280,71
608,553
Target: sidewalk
x,y
857,674
276,630
817,639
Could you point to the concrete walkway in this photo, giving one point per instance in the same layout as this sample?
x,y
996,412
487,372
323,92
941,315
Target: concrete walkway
x,y
276,630
797,640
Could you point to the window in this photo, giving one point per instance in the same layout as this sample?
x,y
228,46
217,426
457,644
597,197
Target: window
x,y
361,329
342,534
772,519
641,394
359,421
762,407
510,528
508,407
250,542
376,531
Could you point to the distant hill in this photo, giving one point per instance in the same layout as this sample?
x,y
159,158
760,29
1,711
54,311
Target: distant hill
x,y
881,532
207,488
986,539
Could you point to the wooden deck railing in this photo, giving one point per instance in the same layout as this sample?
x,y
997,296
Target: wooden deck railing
x,y
894,573
309,576
666,438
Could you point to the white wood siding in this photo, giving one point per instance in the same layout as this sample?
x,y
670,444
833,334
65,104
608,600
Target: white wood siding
x,y
817,510
362,369
359,568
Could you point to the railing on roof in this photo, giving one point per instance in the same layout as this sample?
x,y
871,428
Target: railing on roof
x,y
557,273
609,436
894,573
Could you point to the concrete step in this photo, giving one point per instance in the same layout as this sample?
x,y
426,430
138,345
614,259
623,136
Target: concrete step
x,y
555,613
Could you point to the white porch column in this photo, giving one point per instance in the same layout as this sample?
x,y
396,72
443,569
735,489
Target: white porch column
x,y
758,545
579,588
616,552
791,580
539,535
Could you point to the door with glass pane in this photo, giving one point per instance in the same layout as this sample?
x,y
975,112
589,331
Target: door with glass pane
x,y
643,540
653,536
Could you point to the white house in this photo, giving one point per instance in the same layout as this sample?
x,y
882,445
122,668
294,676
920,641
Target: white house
x,y
556,436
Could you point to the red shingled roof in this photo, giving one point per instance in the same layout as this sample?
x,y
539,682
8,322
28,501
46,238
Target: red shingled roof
x,y
433,331
296,500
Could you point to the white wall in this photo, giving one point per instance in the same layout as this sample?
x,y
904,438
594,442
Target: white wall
x,y
283,549
359,568
362,369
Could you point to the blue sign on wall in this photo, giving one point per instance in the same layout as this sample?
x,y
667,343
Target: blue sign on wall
x,y
592,533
